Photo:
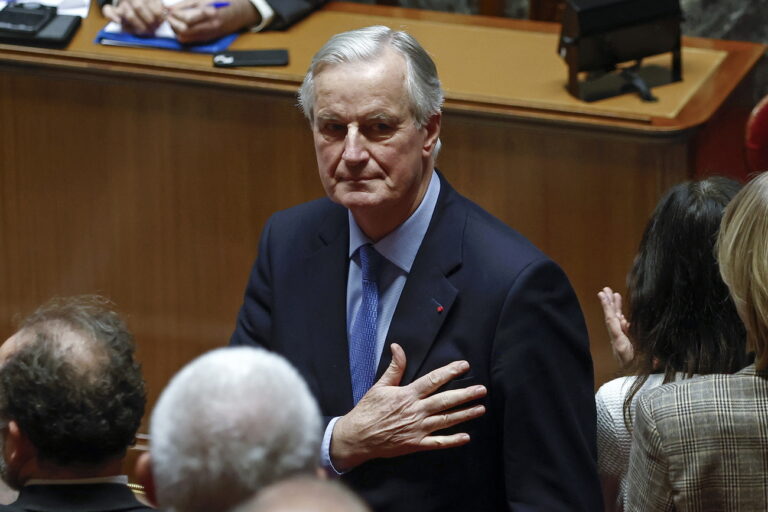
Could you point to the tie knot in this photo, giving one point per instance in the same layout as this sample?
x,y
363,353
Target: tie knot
x,y
369,262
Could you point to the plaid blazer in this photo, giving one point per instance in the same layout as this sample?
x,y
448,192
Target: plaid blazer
x,y
702,444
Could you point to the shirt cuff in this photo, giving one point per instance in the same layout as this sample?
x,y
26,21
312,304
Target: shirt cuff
x,y
266,12
325,449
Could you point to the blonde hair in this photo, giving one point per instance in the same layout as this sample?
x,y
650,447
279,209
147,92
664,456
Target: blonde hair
x,y
742,251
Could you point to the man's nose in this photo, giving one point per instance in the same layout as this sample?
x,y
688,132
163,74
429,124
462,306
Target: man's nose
x,y
355,151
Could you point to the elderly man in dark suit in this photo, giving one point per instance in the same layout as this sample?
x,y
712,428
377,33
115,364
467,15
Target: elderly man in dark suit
x,y
71,399
484,398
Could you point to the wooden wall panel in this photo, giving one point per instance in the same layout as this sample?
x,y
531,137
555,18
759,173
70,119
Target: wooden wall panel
x,y
152,195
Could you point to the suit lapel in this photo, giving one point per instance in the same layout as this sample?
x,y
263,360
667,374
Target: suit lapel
x,y
325,275
428,296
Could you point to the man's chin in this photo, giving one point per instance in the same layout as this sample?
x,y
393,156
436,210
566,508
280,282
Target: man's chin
x,y
358,199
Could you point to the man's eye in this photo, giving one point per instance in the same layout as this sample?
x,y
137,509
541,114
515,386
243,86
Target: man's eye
x,y
381,128
334,128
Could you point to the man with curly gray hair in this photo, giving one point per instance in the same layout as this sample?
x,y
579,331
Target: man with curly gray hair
x,y
71,399
229,423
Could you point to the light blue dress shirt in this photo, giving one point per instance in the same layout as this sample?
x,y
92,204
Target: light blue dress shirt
x,y
398,250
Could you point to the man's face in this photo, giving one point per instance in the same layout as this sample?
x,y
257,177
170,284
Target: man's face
x,y
372,156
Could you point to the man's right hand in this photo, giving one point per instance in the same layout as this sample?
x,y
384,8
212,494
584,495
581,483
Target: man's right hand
x,y
392,420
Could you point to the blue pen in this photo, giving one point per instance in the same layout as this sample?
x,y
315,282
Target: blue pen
x,y
215,5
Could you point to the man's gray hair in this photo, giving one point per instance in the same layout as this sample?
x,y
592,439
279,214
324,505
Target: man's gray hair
x,y
231,422
365,44
305,494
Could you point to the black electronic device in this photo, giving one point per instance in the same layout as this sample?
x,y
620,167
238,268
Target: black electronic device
x,y
34,24
599,35
240,58
25,18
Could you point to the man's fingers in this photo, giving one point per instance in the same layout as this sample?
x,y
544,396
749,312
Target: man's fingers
x,y
185,4
190,16
134,20
394,373
449,419
204,30
450,399
109,12
440,442
434,380
178,26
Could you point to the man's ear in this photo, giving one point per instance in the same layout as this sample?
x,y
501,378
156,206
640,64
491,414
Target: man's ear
x,y
18,448
143,472
19,453
433,133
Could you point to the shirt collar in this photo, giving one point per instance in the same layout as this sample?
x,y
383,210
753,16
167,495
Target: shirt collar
x,y
117,479
401,245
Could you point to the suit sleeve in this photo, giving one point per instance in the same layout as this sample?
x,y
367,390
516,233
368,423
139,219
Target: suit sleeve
x,y
288,12
648,477
543,382
612,446
254,321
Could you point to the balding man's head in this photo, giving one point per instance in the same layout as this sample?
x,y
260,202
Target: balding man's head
x,y
69,382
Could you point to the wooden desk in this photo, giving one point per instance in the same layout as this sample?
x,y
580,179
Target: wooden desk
x,y
147,175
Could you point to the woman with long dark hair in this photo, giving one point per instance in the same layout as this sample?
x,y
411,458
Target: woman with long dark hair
x,y
681,322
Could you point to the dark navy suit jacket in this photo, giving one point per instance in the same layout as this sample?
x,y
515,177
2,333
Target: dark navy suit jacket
x,y
506,308
76,498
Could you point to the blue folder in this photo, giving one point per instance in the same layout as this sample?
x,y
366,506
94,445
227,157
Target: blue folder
x,y
165,43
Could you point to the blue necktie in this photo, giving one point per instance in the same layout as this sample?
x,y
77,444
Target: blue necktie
x,y
362,336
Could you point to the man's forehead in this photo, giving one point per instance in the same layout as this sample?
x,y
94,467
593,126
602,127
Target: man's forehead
x,y
366,90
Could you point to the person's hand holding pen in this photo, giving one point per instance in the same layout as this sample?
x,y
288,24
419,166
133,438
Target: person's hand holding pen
x,y
202,20
192,20
140,17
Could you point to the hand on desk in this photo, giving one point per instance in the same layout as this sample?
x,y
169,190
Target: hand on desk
x,y
391,420
192,20
140,17
198,20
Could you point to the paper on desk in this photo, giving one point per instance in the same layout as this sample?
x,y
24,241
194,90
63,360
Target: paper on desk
x,y
69,7
164,30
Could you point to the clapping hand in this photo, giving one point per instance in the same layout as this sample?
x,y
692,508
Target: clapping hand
x,y
617,326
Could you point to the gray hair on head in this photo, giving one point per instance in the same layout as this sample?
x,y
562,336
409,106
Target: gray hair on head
x,y
422,83
229,423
